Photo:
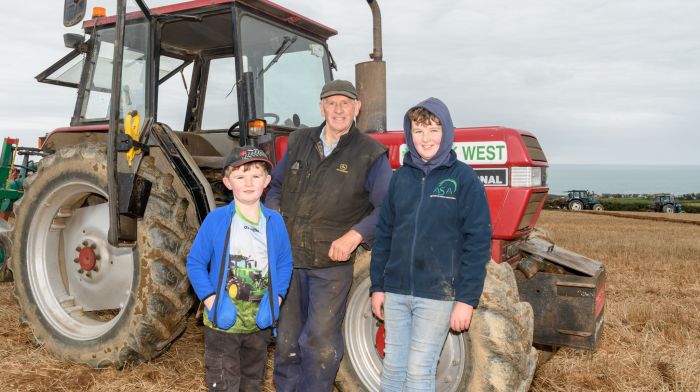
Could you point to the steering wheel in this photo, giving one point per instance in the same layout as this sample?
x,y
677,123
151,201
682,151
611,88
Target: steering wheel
x,y
275,117
234,130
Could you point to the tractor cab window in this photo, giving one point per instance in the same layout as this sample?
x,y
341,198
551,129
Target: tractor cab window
x,y
289,71
95,105
173,88
221,100
65,72
98,89
134,69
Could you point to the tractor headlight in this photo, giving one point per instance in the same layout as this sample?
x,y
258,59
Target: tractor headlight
x,y
528,177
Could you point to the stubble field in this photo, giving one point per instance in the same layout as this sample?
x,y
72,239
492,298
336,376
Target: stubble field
x,y
651,340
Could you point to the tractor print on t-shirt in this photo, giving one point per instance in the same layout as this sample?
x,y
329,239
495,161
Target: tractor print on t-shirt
x,y
245,282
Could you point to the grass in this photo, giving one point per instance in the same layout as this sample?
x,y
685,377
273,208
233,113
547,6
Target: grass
x,y
651,340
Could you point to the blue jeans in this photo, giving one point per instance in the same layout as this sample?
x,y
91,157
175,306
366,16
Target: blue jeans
x,y
416,330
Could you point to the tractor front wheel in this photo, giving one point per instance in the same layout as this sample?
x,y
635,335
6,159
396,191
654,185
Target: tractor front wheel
x,y
84,299
598,207
495,355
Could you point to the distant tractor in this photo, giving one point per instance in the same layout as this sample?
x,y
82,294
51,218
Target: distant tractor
x,y
582,200
666,203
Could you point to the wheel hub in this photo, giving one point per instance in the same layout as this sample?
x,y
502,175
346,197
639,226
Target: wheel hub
x,y
379,340
87,257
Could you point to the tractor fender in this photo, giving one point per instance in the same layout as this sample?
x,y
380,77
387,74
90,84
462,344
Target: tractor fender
x,y
71,136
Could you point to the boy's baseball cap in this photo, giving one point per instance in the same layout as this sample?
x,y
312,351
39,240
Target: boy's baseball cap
x,y
245,154
339,87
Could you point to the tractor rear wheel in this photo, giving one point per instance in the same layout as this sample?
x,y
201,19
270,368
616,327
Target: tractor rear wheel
x,y
84,299
495,355
668,208
575,205
598,207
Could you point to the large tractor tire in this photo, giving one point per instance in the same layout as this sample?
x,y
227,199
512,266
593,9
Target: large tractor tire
x,y
668,208
495,355
85,300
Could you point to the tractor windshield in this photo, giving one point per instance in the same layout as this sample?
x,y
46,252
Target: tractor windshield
x,y
289,71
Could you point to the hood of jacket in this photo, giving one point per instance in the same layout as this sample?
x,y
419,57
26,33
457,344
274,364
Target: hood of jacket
x,y
439,109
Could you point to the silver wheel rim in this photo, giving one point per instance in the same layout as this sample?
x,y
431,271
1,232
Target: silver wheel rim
x,y
360,330
76,305
576,207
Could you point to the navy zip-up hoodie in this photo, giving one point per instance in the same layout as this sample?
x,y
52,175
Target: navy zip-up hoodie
x,y
434,232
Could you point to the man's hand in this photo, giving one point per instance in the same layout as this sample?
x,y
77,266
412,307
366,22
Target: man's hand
x,y
461,316
209,302
342,248
378,304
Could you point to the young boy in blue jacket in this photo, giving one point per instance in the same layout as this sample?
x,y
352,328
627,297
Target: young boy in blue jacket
x,y
430,253
239,261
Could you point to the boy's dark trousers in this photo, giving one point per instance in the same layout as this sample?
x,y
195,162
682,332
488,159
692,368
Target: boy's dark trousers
x,y
309,343
235,361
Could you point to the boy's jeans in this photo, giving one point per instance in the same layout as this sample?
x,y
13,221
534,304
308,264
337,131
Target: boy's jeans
x,y
416,329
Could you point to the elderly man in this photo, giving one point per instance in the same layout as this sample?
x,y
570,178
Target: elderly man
x,y
329,187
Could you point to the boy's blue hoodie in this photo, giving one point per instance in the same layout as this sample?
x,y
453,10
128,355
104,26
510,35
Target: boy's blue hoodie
x,y
433,238
204,262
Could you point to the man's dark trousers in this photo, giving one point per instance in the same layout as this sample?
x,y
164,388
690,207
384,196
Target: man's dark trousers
x,y
310,343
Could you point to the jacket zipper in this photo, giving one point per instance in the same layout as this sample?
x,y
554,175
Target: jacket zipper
x,y
415,231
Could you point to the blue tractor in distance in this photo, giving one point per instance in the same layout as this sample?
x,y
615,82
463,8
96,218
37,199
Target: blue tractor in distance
x,y
577,200
666,203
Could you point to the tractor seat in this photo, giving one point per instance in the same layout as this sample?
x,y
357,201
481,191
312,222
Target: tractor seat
x,y
212,162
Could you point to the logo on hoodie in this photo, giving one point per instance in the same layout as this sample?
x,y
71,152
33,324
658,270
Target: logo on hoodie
x,y
445,189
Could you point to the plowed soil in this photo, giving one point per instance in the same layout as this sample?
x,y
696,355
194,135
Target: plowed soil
x,y
651,340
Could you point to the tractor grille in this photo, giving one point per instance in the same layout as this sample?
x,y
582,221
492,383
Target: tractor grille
x,y
533,148
532,207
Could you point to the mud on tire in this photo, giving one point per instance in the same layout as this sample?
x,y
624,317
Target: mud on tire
x,y
495,355
83,299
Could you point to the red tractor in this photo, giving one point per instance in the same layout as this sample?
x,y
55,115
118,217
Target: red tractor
x,y
101,233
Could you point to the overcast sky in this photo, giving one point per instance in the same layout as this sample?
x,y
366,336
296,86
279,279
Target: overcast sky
x,y
604,82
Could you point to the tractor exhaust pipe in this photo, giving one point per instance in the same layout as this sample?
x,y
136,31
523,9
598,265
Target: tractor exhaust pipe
x,y
370,80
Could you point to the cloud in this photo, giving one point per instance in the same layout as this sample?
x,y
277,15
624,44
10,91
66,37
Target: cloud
x,y
595,81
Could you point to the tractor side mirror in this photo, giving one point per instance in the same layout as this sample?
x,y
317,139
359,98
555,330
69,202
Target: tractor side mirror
x,y
73,12
72,41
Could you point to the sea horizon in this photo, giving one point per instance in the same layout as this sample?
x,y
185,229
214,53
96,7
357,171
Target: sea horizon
x,y
624,178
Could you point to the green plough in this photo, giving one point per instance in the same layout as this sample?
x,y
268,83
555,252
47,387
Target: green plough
x,y
12,178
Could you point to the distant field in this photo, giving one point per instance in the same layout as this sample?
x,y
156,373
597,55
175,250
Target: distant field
x,y
658,215
624,200
631,200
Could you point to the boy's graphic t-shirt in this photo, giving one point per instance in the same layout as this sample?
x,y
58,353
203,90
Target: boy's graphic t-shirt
x,y
247,279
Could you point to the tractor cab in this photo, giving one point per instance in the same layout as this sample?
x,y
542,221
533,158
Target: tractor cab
x,y
199,69
194,80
